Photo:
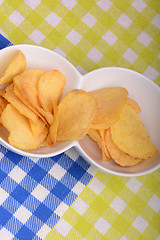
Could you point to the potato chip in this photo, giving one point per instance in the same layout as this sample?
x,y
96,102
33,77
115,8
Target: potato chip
x,y
110,103
48,116
17,65
76,111
134,105
44,143
50,87
52,136
130,135
102,135
27,82
38,127
1,92
20,132
95,136
120,157
11,97
20,95
3,104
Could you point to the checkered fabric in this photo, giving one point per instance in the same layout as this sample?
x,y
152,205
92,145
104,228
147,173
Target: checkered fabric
x,y
89,33
113,208
62,196
35,193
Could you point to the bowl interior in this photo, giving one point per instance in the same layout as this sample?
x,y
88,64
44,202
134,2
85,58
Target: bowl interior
x,y
142,90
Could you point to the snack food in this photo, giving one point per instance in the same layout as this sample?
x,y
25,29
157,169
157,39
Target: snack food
x,y
20,135
131,136
95,136
76,112
50,87
11,97
110,102
120,157
31,112
134,105
52,135
26,84
3,104
17,65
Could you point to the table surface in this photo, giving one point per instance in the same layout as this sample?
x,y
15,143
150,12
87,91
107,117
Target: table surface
x,y
64,197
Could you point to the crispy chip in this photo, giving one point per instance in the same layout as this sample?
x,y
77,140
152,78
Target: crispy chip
x,y
11,97
110,103
120,157
130,135
37,128
76,111
133,104
20,132
48,116
17,65
3,104
27,82
102,135
1,92
52,136
95,136
50,87
44,143
20,95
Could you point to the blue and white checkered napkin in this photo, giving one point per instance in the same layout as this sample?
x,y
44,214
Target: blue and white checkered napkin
x,y
35,193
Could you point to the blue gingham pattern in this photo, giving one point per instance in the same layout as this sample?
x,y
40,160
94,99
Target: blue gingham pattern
x,y
35,193
31,190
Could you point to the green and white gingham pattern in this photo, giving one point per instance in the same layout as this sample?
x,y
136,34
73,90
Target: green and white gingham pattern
x,y
93,34
90,34
113,207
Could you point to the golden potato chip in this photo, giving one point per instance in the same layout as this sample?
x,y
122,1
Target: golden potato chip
x,y
110,103
11,97
102,135
130,135
50,88
120,157
3,104
20,95
38,127
48,116
52,136
27,82
20,132
17,65
1,92
133,104
44,143
76,111
95,136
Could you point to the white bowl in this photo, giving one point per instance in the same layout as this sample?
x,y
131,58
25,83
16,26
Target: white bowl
x,y
141,89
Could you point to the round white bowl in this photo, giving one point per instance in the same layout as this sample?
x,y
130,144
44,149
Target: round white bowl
x,y
141,89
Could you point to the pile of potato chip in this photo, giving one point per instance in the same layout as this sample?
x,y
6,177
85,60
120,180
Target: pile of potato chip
x,y
31,110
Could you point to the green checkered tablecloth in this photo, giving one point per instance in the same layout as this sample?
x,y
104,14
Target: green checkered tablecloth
x,y
93,34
